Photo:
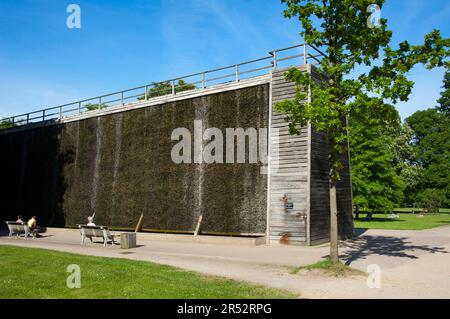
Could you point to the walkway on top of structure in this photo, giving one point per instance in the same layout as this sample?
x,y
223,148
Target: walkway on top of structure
x,y
192,84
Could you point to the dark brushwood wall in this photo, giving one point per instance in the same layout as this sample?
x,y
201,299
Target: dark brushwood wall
x,y
119,166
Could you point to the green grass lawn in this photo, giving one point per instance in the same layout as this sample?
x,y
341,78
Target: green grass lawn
x,y
406,221
410,210
39,273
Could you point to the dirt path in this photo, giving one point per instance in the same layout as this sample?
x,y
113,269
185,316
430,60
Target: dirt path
x,y
414,264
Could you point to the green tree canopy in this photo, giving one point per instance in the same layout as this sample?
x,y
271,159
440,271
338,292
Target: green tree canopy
x,y
431,141
407,158
93,106
165,88
444,100
430,200
376,164
6,124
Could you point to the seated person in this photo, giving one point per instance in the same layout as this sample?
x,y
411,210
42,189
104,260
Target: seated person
x,y
32,225
19,219
91,221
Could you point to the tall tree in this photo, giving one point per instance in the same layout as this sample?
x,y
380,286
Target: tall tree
x,y
407,164
444,100
376,165
341,29
431,141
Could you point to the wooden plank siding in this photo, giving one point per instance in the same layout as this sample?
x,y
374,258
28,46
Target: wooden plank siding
x,y
302,175
345,199
319,216
320,202
289,171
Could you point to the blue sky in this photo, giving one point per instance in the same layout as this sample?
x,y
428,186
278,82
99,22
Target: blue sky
x,y
122,44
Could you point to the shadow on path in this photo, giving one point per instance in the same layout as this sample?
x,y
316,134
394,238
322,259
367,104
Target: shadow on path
x,y
360,231
361,247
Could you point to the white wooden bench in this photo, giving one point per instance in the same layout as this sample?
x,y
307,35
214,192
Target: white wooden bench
x,y
96,231
19,228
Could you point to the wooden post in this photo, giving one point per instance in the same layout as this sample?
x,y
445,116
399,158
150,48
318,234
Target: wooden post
x,y
139,224
127,240
197,228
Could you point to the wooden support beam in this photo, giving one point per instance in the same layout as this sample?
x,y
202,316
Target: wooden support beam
x,y
199,223
139,224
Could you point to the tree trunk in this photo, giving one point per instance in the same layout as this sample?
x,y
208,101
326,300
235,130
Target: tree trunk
x,y
334,254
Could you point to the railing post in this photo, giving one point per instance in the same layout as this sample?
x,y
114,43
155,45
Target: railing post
x,y
43,115
237,72
79,108
121,97
146,92
274,59
203,80
60,112
173,87
305,57
28,118
100,103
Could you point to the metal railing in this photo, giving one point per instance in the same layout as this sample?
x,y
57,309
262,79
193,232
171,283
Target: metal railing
x,y
197,81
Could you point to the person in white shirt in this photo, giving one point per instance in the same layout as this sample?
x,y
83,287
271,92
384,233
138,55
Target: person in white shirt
x,y
91,220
